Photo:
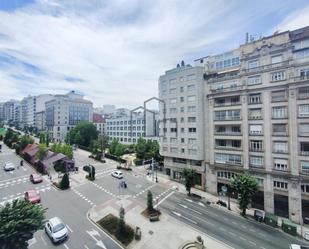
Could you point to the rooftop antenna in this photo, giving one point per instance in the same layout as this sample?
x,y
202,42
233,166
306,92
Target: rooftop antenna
x,y
182,63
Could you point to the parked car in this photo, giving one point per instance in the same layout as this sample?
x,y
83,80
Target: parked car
x,y
32,196
294,246
36,178
118,174
8,166
56,230
259,215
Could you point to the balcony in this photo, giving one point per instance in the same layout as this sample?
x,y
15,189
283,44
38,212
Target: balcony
x,y
304,152
301,78
227,89
267,67
227,133
227,118
227,104
305,171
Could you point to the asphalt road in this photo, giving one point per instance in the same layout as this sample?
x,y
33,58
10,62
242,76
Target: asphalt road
x,y
234,230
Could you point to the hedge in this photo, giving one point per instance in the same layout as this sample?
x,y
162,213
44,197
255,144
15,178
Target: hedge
x,y
115,158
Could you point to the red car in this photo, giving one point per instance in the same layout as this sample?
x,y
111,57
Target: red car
x,y
32,196
35,178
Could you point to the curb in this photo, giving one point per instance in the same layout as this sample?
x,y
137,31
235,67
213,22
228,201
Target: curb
x,y
103,231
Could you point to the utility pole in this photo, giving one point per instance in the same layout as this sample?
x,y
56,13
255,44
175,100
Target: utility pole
x,y
152,164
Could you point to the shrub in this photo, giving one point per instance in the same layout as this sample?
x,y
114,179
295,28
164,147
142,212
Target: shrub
x,y
149,201
65,182
289,227
59,167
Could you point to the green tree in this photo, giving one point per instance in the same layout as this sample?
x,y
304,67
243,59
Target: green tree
x,y
65,149
41,152
19,221
246,186
47,139
189,178
24,141
83,133
149,201
121,226
140,148
113,146
65,182
103,142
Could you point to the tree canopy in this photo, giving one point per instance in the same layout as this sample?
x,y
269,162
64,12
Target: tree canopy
x,y
147,149
246,186
82,134
65,149
19,221
189,177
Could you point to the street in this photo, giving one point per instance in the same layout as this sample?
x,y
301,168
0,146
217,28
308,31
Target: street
x,y
72,206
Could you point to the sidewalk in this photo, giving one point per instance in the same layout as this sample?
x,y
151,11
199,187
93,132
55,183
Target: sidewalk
x,y
164,179
165,233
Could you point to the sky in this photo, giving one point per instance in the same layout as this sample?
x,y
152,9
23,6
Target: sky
x,y
114,51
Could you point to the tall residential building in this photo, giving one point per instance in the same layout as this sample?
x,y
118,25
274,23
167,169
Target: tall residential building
x,y
119,127
9,110
181,130
1,111
30,106
64,112
256,119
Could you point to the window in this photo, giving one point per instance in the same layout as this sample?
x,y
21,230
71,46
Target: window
x,y
256,161
192,130
303,92
191,108
254,80
173,90
279,129
191,119
255,129
191,98
226,174
191,77
278,76
173,140
304,148
301,44
256,145
191,87
228,159
173,110
192,141
278,96
280,147
174,149
173,101
303,129
255,98
182,140
304,165
179,160
182,99
172,82
182,109
182,120
173,129
182,130
253,64
227,115
255,113
192,151
181,89
182,150
302,54
279,112
303,110
280,185
280,164
276,59
181,79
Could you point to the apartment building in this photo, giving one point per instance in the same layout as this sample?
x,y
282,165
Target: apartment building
x,y
181,128
30,105
64,112
9,108
119,126
256,119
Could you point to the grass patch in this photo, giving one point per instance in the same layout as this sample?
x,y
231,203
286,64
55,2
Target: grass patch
x,y
110,224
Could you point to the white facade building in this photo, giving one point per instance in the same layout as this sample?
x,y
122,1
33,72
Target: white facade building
x,y
64,112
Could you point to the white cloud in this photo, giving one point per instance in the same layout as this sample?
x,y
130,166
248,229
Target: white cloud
x,y
295,20
117,48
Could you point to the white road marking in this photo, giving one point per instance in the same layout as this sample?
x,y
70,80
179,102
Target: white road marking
x,y
70,229
43,241
201,204
233,234
164,199
188,200
242,238
31,241
186,207
86,246
65,245
222,229
251,242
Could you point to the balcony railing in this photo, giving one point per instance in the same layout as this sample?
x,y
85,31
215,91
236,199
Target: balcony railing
x,y
227,118
227,133
265,67
227,89
304,153
227,104
305,171
301,78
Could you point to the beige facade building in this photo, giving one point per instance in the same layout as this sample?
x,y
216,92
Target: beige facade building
x,y
255,103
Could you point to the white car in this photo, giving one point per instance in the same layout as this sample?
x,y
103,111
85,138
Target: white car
x,y
294,246
118,174
9,166
56,230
